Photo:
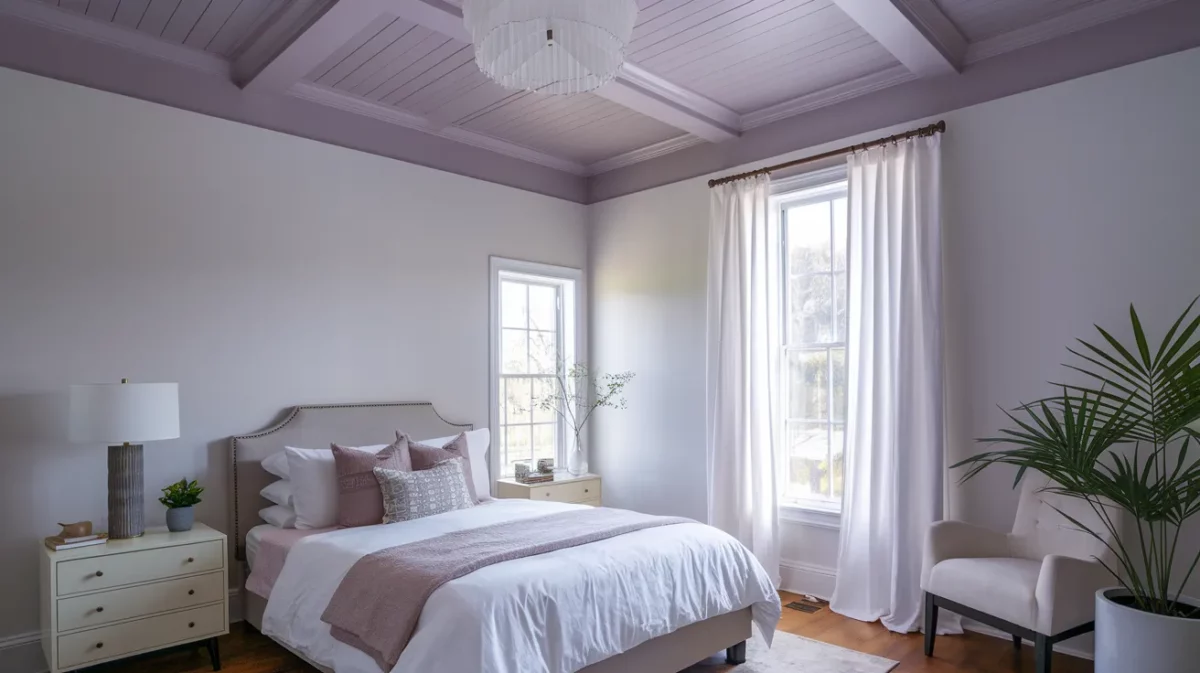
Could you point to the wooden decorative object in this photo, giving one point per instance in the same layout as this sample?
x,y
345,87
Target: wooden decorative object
x,y
77,529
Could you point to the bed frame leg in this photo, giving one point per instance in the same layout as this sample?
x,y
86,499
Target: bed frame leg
x,y
737,654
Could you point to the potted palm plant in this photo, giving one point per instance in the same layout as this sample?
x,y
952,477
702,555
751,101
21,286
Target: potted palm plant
x,y
1122,440
180,498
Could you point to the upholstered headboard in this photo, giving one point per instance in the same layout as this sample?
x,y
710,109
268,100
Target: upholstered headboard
x,y
315,427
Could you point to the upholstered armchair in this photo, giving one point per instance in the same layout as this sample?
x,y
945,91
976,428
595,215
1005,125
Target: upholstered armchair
x,y
1038,582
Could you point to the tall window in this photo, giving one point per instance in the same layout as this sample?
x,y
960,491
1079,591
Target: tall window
x,y
813,225
534,333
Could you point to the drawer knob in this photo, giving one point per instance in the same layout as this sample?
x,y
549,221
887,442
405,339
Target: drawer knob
x,y
99,645
99,573
190,559
586,491
100,609
191,625
191,592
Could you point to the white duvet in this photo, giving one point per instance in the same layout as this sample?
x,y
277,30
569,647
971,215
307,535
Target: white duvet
x,y
553,613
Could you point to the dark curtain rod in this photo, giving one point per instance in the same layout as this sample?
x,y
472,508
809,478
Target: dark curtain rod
x,y
939,127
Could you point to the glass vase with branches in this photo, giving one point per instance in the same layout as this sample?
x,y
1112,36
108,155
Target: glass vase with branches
x,y
578,392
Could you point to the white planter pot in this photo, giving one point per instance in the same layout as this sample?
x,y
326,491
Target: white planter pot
x,y
1129,640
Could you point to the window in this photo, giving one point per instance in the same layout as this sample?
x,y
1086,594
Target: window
x,y
534,336
812,219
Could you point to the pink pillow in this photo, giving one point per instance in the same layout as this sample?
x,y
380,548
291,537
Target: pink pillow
x,y
360,502
425,457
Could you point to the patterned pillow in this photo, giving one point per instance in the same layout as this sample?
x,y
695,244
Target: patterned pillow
x,y
414,495
359,499
424,457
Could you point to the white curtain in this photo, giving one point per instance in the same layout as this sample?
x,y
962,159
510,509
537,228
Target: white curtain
x,y
742,371
894,435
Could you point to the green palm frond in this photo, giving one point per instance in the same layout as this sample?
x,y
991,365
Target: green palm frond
x,y
1123,438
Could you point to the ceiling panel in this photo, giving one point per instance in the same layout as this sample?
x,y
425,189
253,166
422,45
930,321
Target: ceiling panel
x,y
749,54
981,19
583,128
219,26
397,63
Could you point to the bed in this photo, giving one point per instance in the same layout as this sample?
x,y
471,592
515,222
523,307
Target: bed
x,y
292,573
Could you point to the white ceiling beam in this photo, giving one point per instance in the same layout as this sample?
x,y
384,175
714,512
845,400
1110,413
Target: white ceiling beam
x,y
916,32
658,98
634,88
258,71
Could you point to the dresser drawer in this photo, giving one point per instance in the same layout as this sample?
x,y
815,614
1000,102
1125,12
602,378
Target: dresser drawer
x,y
109,642
139,601
574,491
103,572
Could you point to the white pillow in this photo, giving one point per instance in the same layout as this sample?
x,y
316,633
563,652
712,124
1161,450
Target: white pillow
x,y
278,516
477,446
276,464
315,485
278,492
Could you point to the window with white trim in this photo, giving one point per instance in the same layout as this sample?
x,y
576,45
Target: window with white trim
x,y
812,219
534,337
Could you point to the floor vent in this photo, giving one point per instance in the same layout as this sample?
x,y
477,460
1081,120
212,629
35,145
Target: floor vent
x,y
806,606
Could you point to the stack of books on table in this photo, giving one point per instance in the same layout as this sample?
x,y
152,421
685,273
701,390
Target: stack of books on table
x,y
59,543
536,478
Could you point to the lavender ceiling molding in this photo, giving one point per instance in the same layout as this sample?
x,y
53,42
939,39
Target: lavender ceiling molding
x,y
111,66
1165,29
45,40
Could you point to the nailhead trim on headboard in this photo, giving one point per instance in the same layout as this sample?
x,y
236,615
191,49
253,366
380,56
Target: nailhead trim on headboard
x,y
240,547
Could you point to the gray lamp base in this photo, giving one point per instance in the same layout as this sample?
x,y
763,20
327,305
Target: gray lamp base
x,y
126,509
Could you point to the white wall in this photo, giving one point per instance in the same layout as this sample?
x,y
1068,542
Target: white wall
x,y
259,270
1063,205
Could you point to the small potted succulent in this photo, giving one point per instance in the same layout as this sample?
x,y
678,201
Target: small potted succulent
x,y
179,499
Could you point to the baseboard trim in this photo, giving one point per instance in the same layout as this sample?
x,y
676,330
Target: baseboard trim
x,y
20,639
805,578
984,629
22,653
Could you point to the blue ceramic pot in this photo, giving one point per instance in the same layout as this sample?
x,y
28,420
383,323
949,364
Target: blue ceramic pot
x,y
180,519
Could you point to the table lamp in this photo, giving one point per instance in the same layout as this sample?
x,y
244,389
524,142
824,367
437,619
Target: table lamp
x,y
123,415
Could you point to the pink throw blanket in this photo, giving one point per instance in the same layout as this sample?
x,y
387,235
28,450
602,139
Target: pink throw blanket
x,y
378,603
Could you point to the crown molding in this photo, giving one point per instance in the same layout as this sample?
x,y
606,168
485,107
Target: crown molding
x,y
72,23
643,154
1089,15
830,96
332,98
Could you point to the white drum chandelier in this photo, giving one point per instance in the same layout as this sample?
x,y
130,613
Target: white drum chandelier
x,y
550,46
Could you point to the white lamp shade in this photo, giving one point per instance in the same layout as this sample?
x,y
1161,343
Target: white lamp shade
x,y
114,413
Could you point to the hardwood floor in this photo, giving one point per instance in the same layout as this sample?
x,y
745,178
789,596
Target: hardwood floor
x,y
246,651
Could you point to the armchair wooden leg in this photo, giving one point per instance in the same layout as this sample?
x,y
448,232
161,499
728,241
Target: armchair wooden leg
x,y
1043,650
931,620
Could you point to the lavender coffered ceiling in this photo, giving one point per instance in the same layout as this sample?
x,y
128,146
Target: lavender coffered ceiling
x,y
708,84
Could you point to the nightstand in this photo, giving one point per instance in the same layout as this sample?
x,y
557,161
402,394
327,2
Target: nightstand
x,y
127,597
584,489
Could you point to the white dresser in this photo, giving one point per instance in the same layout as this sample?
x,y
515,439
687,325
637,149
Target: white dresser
x,y
584,489
132,596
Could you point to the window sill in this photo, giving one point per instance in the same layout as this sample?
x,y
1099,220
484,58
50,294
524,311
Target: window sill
x,y
811,515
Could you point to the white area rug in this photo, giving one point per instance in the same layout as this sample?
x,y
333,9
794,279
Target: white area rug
x,y
793,654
